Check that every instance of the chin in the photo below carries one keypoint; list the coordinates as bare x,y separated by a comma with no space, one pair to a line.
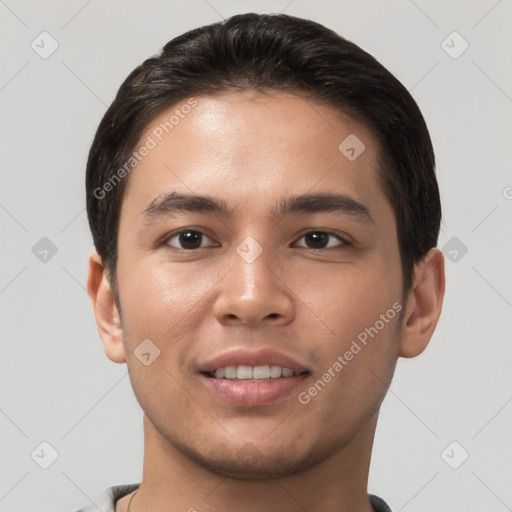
250,463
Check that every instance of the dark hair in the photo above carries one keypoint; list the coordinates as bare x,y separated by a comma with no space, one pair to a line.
271,52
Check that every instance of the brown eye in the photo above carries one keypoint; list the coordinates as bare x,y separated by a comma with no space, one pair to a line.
322,240
187,239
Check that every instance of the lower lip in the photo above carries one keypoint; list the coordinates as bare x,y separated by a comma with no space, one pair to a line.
251,394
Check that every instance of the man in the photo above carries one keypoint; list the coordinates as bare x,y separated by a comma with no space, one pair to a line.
264,206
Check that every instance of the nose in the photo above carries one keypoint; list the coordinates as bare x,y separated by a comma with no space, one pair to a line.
255,293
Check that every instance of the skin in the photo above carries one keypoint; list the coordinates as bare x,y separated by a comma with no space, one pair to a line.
250,150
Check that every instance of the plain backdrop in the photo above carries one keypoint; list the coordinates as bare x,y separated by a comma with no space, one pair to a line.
58,387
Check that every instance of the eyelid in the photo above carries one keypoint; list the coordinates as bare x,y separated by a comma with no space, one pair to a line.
169,236
343,237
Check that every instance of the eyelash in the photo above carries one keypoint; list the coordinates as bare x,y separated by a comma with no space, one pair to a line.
344,241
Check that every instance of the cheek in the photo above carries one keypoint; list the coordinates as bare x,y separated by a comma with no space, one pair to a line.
346,299
355,334
357,360
156,295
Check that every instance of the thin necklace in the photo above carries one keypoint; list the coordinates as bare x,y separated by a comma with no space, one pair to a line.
130,502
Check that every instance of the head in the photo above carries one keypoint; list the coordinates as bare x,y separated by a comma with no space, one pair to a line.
268,118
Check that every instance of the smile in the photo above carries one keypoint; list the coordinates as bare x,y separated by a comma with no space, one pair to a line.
252,373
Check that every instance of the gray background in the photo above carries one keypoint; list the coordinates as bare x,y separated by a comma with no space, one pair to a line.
56,383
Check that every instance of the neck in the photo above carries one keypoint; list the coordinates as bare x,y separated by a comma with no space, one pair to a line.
173,482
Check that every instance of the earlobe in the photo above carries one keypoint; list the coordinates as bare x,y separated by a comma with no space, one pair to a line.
105,310
423,304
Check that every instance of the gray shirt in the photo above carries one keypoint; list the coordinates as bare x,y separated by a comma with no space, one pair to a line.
107,501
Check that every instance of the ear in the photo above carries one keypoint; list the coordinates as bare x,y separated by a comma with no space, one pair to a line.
423,304
105,310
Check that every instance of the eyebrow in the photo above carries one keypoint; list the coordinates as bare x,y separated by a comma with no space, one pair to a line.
308,203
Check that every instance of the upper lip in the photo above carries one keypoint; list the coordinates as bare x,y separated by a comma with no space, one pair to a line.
244,357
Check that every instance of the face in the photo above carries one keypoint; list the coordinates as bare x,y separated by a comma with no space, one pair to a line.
285,274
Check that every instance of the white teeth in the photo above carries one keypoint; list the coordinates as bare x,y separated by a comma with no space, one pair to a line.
261,372
287,372
275,372
229,372
243,372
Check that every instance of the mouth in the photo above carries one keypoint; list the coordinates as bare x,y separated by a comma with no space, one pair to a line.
251,379
253,373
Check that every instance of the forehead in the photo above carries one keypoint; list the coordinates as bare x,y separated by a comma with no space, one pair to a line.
251,146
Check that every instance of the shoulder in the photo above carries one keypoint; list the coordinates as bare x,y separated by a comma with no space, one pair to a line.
106,502
378,504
